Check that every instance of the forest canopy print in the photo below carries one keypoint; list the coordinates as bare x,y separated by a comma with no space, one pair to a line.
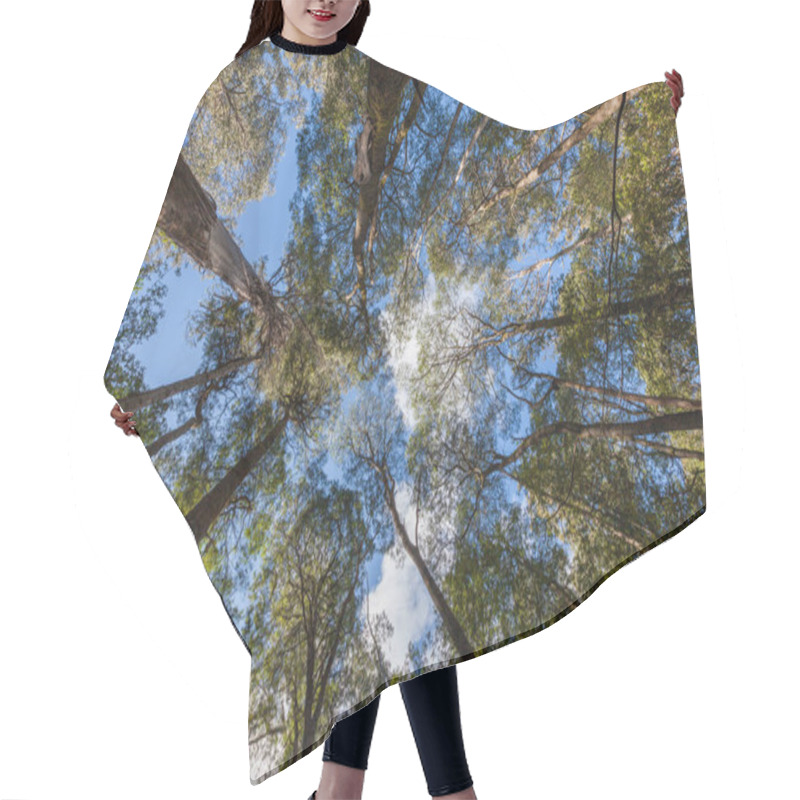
418,380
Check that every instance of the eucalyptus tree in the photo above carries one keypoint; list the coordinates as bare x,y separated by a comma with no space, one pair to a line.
304,622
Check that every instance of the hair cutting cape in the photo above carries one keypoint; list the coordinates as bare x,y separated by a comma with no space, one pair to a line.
419,381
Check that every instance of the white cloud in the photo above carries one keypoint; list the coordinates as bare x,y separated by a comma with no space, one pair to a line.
404,353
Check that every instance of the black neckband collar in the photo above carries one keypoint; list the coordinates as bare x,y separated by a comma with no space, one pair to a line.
308,49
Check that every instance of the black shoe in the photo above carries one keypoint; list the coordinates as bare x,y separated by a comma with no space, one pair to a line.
313,795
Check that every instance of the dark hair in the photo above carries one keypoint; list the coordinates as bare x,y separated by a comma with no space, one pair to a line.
266,18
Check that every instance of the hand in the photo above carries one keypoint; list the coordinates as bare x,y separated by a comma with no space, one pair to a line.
675,82
124,420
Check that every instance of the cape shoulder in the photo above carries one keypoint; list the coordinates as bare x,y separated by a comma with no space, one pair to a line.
266,61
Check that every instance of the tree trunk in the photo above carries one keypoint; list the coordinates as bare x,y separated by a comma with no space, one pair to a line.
211,505
650,302
171,436
653,401
586,237
682,421
189,217
138,400
596,117
453,627
384,91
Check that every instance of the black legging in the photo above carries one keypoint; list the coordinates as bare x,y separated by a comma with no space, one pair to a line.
431,701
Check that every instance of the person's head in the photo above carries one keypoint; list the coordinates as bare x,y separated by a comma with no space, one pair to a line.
295,20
